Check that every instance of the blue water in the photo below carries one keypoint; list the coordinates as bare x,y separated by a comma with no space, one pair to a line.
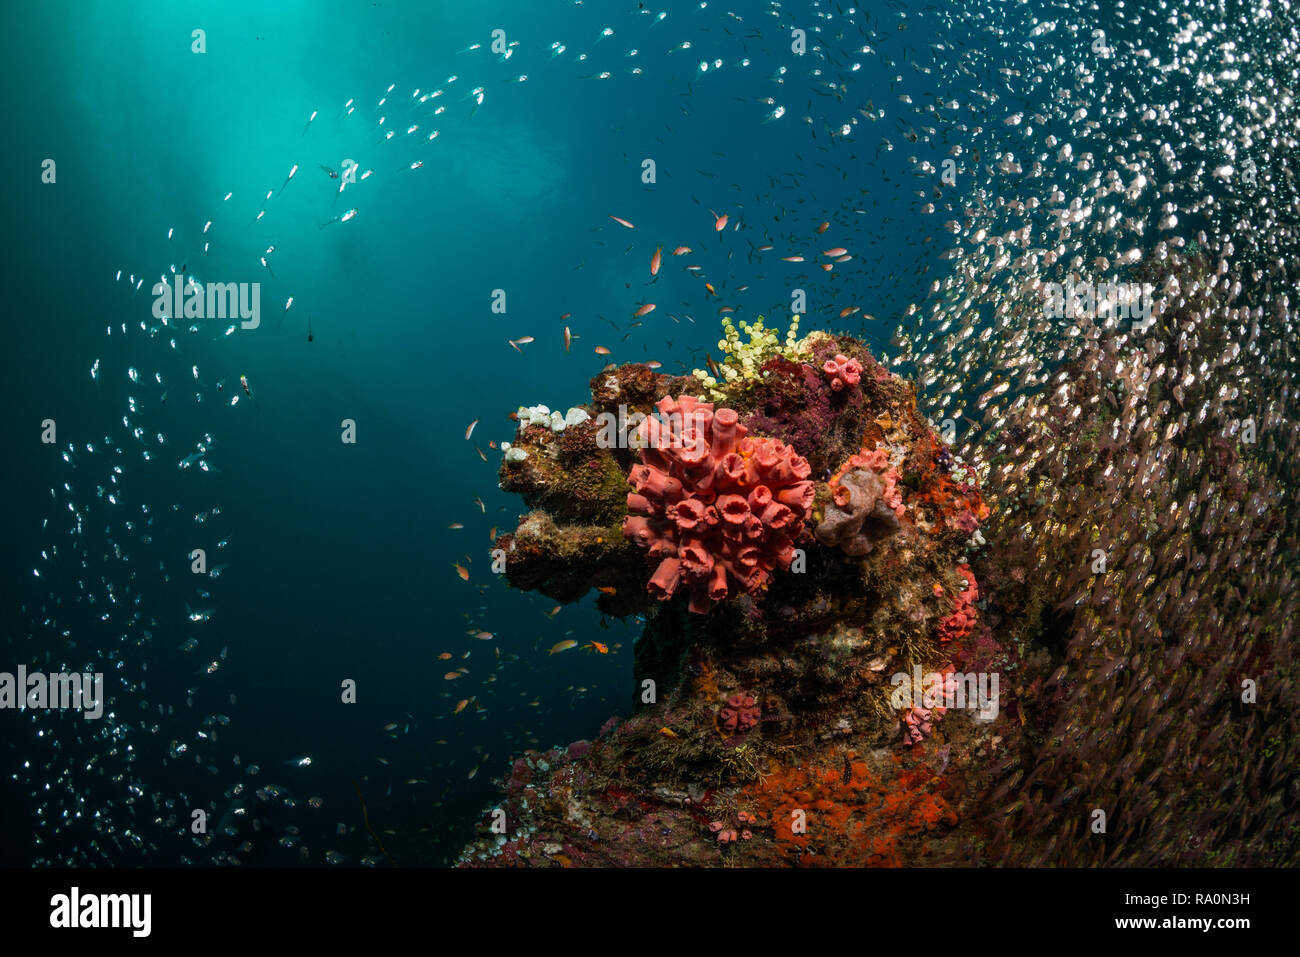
340,556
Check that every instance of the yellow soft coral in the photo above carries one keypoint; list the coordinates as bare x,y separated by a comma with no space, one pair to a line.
742,362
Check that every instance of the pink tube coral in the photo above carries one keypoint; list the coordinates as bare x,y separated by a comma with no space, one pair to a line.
918,721
962,620
714,504
740,714
842,371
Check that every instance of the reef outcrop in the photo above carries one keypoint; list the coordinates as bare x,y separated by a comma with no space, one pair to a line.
798,547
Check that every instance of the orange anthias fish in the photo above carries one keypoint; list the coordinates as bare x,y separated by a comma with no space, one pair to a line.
622,222
645,310
823,227
655,260
461,570
837,251
721,223
681,250
597,647
601,351
607,590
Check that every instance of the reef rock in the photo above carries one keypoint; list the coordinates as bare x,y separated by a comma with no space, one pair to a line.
802,545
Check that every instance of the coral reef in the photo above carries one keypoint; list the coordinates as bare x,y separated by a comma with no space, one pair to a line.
962,620
805,545
842,372
740,714
713,504
745,363
860,514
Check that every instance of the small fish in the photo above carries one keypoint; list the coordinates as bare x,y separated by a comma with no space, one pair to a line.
720,223
291,173
596,647
668,732
445,656
568,338
243,380
309,121
470,429
681,250
837,251
460,706
655,261
451,676
461,570
455,525
823,227
622,222
601,351
607,590
564,645
645,310
792,259
337,219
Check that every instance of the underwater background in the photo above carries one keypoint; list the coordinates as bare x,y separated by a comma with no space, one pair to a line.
330,560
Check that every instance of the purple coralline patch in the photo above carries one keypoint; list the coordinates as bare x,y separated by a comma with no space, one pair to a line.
578,750
965,522
797,405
